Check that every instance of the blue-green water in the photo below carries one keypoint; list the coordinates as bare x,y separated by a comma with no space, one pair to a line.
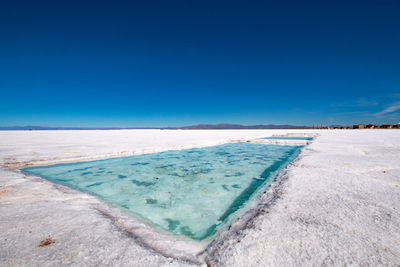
287,138
187,192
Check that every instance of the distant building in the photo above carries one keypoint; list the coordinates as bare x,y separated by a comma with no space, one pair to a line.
372,126
358,126
386,126
397,126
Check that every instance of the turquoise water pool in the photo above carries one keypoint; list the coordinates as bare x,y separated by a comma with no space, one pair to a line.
187,192
287,138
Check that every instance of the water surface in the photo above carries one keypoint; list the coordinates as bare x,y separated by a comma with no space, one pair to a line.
187,192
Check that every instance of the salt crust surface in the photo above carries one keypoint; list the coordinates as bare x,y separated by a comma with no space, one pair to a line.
338,204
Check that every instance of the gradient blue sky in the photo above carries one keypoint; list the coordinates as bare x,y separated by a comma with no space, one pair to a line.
173,63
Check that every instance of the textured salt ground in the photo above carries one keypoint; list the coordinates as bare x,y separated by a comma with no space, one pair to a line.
338,204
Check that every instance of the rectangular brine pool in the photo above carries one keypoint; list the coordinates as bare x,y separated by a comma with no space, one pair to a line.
188,192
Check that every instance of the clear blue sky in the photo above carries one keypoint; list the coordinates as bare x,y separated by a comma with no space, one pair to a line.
173,63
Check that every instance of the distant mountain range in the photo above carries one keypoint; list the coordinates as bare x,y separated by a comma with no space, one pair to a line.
220,126
53,128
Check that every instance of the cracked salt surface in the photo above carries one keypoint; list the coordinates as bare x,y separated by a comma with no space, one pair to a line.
337,204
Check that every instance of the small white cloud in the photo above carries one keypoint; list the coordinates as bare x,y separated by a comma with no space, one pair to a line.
392,108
